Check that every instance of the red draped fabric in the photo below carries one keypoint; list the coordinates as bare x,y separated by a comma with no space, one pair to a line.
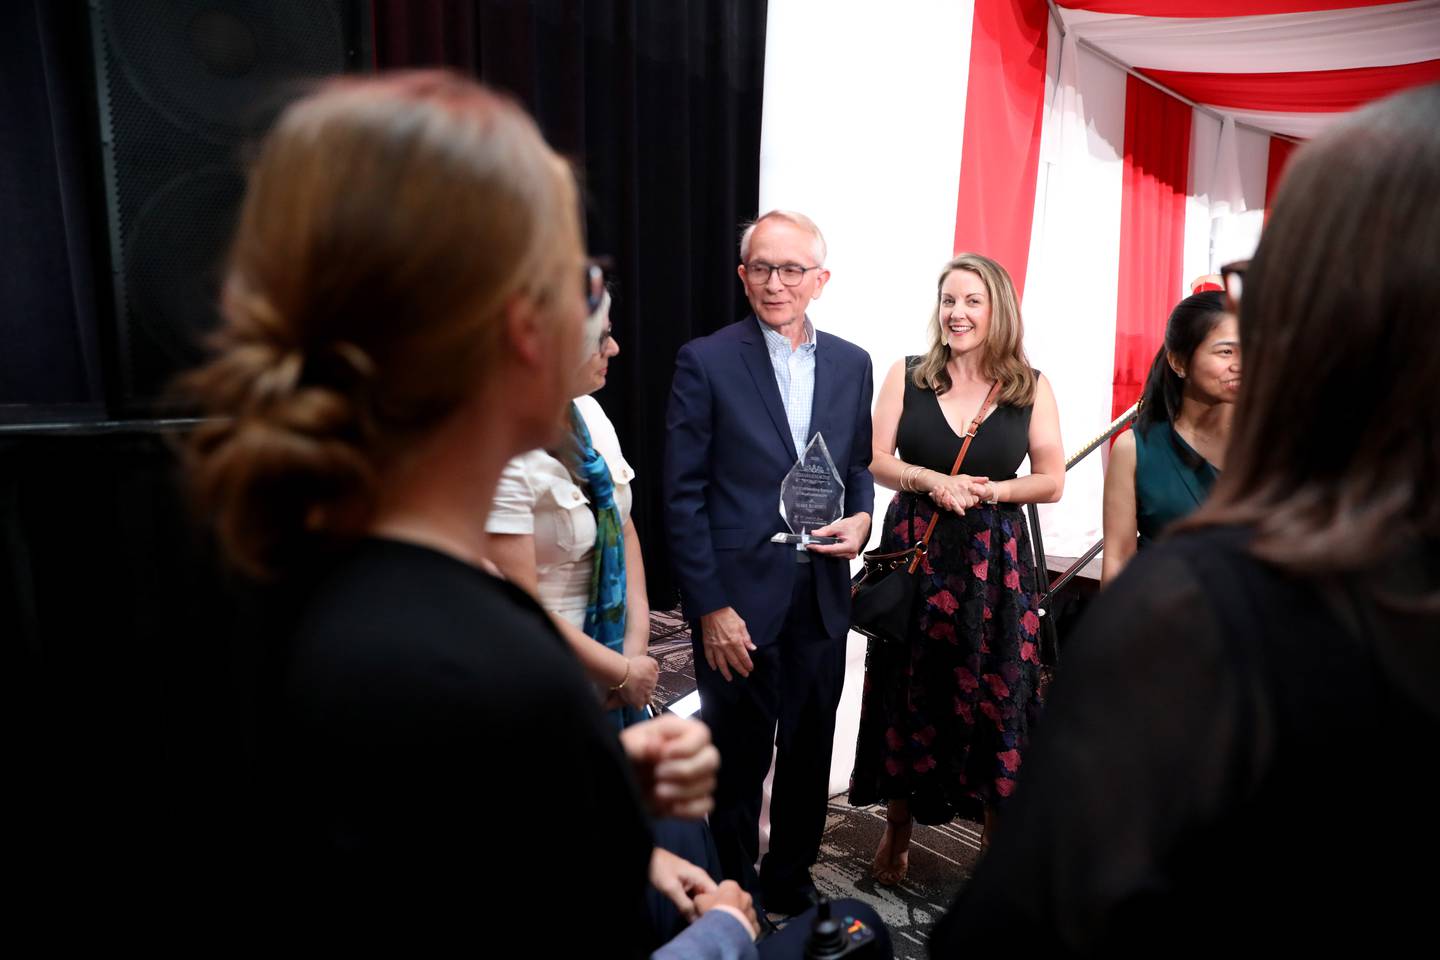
1152,231
1311,91
1000,156
1214,8
1280,150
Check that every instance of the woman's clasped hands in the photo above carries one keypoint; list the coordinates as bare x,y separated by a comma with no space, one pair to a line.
959,492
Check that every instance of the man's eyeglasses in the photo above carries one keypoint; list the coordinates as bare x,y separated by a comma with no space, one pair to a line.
1233,276
757,273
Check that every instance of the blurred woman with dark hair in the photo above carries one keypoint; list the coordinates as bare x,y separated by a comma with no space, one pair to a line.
1237,755
1164,468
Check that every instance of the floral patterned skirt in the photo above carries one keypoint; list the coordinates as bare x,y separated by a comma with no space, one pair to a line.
945,718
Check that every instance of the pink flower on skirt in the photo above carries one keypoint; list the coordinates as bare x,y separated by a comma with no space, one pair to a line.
963,711
1011,547
997,685
926,736
983,538
1011,760
942,630
986,613
893,766
1029,622
1004,786
966,680
1027,652
893,740
945,600
981,569
1012,579
924,765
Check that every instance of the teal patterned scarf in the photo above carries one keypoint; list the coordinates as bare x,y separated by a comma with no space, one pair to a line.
605,608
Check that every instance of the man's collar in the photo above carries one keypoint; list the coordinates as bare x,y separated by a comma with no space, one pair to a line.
776,338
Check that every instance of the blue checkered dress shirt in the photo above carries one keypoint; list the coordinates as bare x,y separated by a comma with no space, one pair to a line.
795,375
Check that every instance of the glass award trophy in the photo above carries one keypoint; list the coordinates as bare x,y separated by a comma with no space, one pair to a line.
811,496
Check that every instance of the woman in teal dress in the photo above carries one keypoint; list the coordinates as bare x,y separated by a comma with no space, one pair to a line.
1163,469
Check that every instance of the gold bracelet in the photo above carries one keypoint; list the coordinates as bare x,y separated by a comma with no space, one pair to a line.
621,685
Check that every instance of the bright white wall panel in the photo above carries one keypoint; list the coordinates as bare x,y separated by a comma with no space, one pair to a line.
863,126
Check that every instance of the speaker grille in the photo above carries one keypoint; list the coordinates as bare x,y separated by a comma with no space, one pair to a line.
183,88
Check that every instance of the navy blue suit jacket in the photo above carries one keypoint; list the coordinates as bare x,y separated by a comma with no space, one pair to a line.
729,446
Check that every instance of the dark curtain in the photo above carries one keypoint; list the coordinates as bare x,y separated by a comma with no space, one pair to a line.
124,668
131,667
49,350
657,103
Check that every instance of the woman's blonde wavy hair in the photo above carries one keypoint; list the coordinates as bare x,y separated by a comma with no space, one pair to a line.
388,221
1004,357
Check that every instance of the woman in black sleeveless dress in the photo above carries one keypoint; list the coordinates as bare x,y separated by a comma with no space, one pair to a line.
945,717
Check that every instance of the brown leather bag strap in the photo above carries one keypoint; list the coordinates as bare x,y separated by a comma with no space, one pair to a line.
924,543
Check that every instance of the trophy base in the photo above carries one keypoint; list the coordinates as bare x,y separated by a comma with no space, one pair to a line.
801,539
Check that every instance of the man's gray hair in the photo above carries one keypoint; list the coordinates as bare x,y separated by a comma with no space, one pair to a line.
789,216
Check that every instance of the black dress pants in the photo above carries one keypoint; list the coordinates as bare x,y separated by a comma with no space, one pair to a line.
788,702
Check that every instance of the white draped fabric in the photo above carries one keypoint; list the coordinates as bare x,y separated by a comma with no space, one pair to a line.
1300,126
1070,296
1377,36
1386,35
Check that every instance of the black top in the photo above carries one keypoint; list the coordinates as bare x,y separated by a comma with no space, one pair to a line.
1234,760
925,437
450,766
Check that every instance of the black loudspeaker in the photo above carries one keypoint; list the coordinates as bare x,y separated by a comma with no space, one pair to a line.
184,87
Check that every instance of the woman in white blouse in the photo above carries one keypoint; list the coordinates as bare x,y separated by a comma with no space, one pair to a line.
550,508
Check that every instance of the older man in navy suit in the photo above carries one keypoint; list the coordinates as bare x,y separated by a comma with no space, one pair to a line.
769,621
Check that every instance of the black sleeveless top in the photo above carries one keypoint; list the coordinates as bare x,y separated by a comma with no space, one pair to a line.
926,438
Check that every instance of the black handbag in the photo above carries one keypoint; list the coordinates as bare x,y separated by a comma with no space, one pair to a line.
882,596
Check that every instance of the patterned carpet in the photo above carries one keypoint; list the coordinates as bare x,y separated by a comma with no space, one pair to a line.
941,858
